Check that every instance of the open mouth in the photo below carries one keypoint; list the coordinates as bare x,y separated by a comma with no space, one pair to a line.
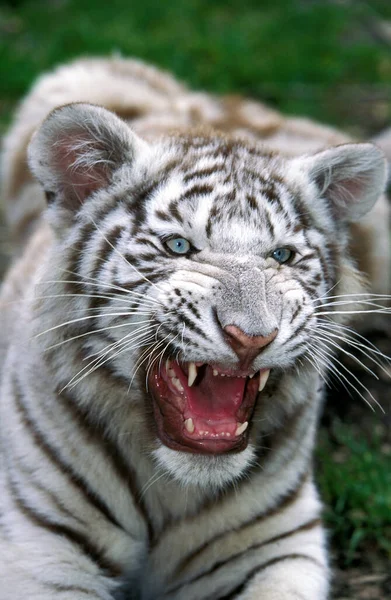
204,408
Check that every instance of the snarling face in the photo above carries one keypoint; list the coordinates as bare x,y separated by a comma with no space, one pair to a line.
204,261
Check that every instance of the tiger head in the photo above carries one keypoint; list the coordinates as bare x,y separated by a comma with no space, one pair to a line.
206,261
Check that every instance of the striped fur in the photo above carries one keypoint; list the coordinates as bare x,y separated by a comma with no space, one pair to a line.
101,499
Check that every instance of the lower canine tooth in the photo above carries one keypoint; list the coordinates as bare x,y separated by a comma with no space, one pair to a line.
189,425
177,384
241,428
192,374
263,379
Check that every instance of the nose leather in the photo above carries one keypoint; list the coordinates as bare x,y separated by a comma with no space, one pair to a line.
247,347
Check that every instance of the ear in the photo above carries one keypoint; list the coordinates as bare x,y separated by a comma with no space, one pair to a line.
351,177
77,150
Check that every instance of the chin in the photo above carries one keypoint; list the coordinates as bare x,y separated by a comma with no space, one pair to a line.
212,472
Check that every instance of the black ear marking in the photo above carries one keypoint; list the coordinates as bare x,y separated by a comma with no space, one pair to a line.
50,197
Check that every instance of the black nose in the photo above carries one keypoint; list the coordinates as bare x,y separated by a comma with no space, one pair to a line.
247,347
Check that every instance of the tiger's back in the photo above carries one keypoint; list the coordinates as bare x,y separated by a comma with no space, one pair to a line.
170,319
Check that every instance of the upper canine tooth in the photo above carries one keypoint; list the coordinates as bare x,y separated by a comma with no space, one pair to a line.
215,372
263,379
241,428
192,374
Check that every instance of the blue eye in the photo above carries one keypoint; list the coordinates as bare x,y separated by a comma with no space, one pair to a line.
282,255
178,245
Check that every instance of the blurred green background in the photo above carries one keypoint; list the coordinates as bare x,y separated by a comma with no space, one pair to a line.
329,60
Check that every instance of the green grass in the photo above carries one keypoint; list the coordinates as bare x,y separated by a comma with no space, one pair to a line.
354,476
320,58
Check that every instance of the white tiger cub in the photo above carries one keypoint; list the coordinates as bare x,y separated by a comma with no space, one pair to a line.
166,331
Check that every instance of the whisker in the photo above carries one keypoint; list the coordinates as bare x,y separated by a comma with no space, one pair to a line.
129,337
369,296
333,358
81,335
155,348
379,311
358,302
100,361
339,326
359,346
322,337
335,373
151,481
85,318
102,284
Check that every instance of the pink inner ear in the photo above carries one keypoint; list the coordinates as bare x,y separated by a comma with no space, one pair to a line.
81,167
348,192
355,187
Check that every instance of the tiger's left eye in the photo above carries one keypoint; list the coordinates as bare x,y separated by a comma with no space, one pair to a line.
282,255
178,245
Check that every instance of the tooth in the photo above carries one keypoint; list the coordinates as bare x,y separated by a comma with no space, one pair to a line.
241,428
192,374
189,425
177,384
263,379
251,376
215,372
171,372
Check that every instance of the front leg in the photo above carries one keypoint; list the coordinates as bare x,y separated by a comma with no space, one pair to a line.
277,554
291,576
44,555
40,572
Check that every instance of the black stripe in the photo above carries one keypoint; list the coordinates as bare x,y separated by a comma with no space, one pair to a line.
53,498
57,587
163,216
192,326
296,312
240,588
252,202
174,212
54,456
108,243
143,240
224,563
85,233
95,431
202,173
298,329
196,191
269,223
136,200
77,538
283,502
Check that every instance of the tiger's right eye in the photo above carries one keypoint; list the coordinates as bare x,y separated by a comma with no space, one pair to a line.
178,245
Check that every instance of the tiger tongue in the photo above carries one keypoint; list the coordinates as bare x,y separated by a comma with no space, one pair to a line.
216,397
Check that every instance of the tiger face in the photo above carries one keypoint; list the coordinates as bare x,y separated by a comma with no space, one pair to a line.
204,262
